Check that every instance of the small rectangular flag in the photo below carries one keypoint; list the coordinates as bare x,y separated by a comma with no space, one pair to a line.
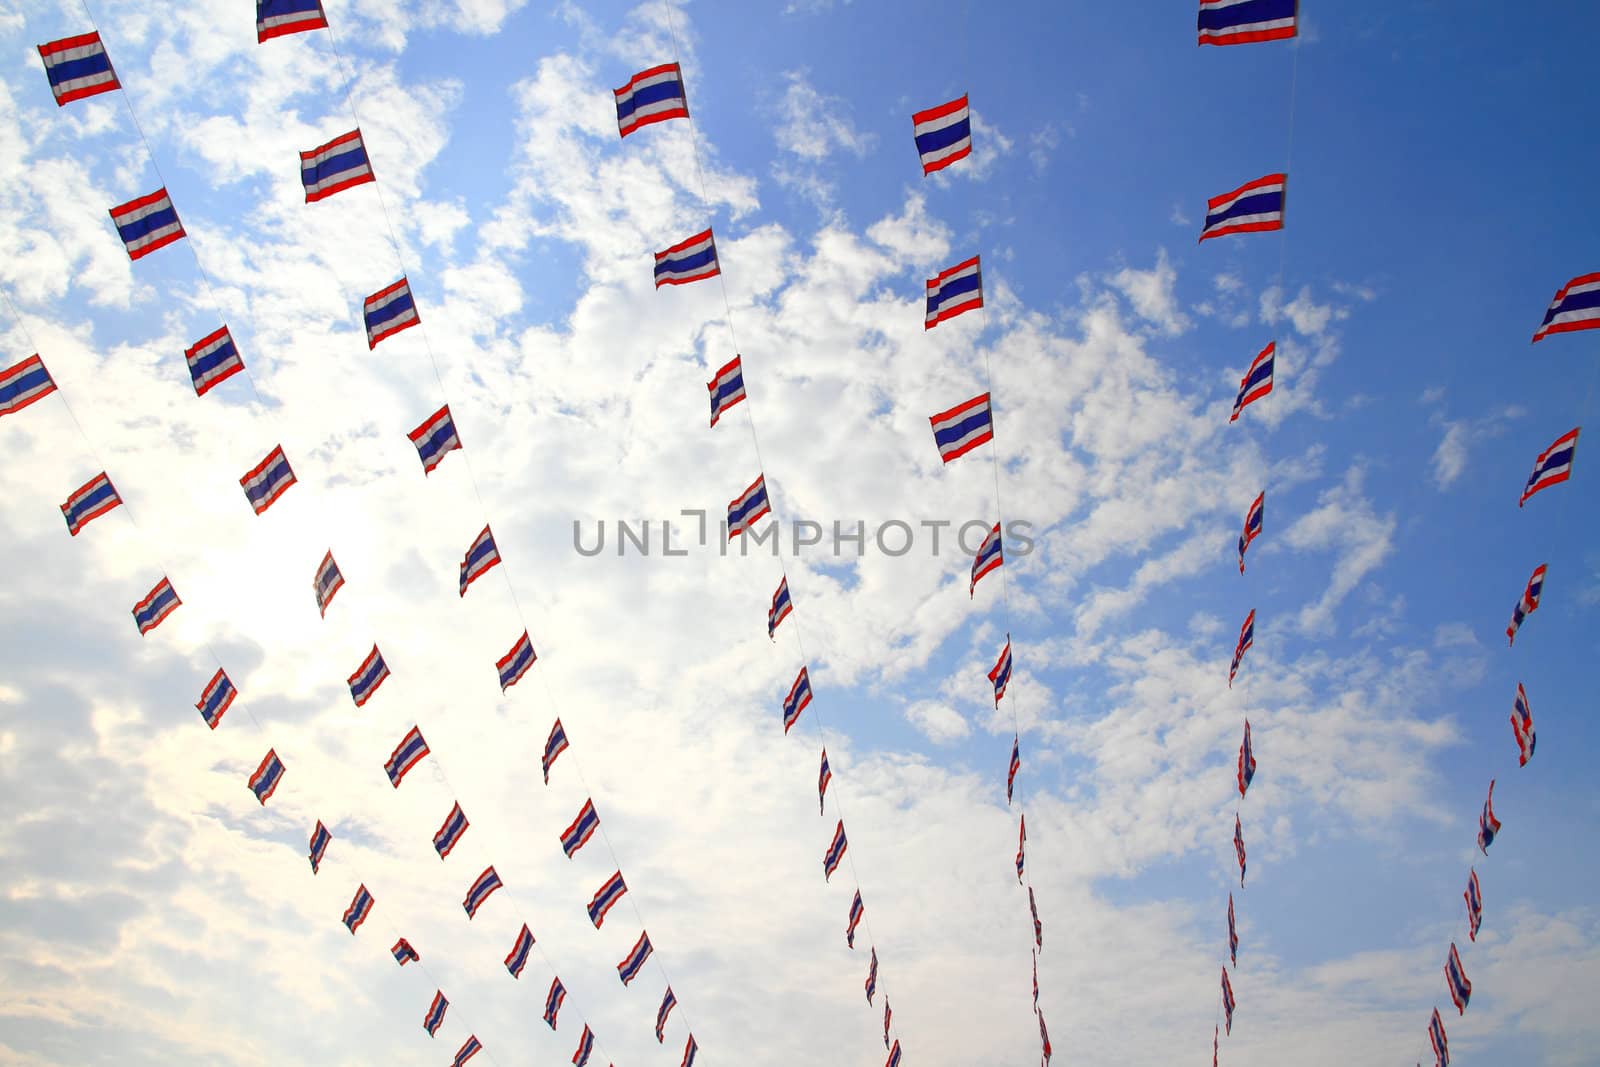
319,845
406,755
746,509
450,831
435,1014
1247,761
857,910
1440,1043
216,698
1474,898
24,383
264,782
469,1048
1044,1038
989,558
78,67
404,953
277,18
1038,927
605,898
631,964
1233,935
781,607
327,582
799,696
667,1003
212,360
963,427
1553,466
1247,21
147,223
1247,637
689,1050
1527,605
388,311
690,260
835,853
1575,307
1254,207
554,745
1227,1003
360,907
340,164
726,389
264,483
480,891
161,602
582,828
1015,766
89,501
1252,525
1488,825
651,96
1022,844
1522,727
435,437
552,1001
1257,381
824,776
1238,846
1000,673
871,984
585,1047
368,677
517,958
887,1016
1456,978
952,291
481,557
514,664
943,133
894,1056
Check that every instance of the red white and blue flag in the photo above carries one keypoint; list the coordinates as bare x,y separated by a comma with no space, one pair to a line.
943,133
668,1001
360,907
212,360
448,836
651,96
799,696
216,698
888,1016
480,891
894,1056
690,1047
1553,466
1038,927
264,483
482,555
1044,1038
514,664
824,776
368,677
404,953
318,846
1252,525
1528,604
147,223
963,427
469,1048
781,607
1247,761
78,67
1456,978
1247,637
989,558
1227,1003
835,853
24,383
583,827
1247,21
1257,381
1238,846
857,910
1022,844
628,969
161,602
1015,765
952,291
1254,207
605,898
1474,898
330,168
554,745
726,389
748,507
1233,935
407,754
1575,307
872,975
690,260
585,1047
1488,825
269,772
388,311
327,582
277,18
435,437
552,1001
1000,673
1440,1043
517,958
435,1014
1522,727
89,501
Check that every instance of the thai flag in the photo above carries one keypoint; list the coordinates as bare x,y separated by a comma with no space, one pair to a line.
1247,761
552,1002
212,360
1044,1039
1000,674
1246,21
1035,954
149,612
1247,637
631,964
944,134
216,698
887,1016
434,437
1553,466
449,833
1022,844
781,607
517,958
963,428
368,677
824,776
689,260
435,1016
1252,526
340,164
1233,935
1474,898
1227,1003
1257,381
799,696
1238,846
1440,1043
583,827
857,910
689,1049
651,96
147,223
1038,927
835,853
585,1047
1456,978
726,389
319,845
989,558
406,755
388,311
482,555
360,907
894,1056
327,582
23,384
1488,825
264,782
950,292
748,508
1522,726
1016,764
554,745
469,1048
89,501
667,1003
264,483
276,18
1575,307
514,664
486,884
871,984
78,67
605,898
404,953
1528,604
1254,207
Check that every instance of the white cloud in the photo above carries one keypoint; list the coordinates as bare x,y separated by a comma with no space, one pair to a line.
938,722
1151,294
1345,522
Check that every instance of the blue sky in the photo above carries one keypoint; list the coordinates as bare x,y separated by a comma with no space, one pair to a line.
1437,199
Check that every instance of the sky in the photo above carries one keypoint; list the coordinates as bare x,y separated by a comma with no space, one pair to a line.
151,911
